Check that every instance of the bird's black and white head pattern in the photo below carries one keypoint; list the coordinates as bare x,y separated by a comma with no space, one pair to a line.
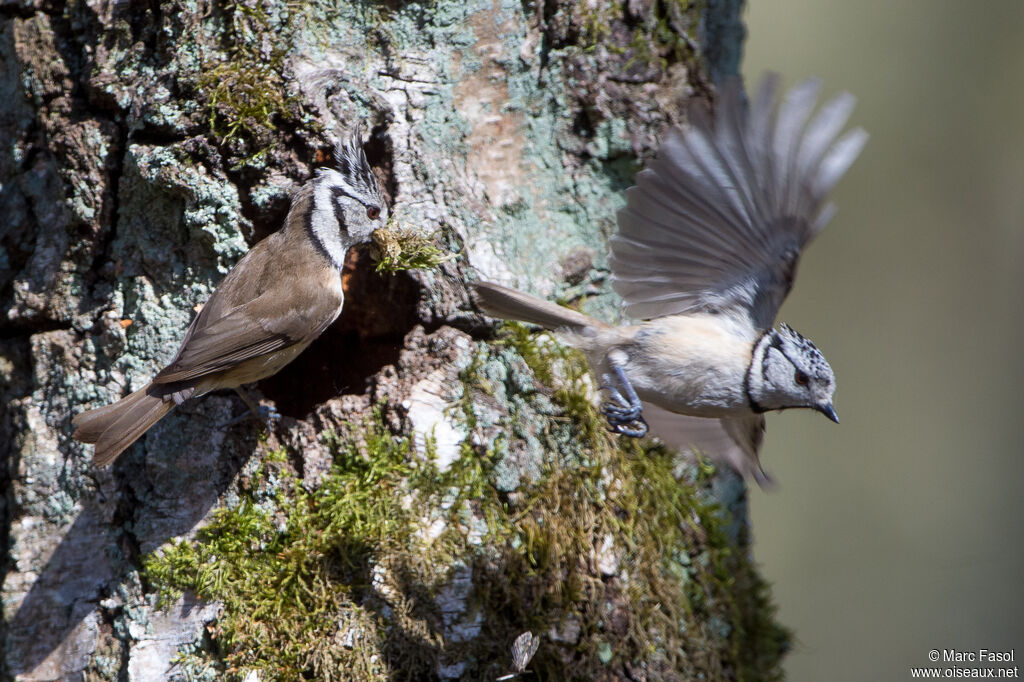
787,370
348,203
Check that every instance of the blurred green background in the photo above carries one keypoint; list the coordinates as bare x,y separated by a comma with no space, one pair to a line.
900,531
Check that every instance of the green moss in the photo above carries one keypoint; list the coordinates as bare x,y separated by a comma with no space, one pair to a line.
292,573
596,19
242,96
660,33
246,92
397,248
676,597
614,553
668,33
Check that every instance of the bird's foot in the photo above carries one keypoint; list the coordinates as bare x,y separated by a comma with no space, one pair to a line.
634,428
266,414
624,413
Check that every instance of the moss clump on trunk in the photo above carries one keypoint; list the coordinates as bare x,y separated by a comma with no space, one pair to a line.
615,554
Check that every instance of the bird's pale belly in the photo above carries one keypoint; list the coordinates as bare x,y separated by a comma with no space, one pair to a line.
697,399
691,365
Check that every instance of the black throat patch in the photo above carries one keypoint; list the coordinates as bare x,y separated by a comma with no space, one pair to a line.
754,405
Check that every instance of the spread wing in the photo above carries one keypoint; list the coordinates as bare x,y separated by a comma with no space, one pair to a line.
731,441
718,220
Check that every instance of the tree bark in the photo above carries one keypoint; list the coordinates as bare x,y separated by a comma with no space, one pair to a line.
437,485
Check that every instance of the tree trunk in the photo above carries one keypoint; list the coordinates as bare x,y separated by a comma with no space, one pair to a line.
437,485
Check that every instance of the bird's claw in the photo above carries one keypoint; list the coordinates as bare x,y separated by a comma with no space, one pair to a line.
624,419
634,429
267,414
624,416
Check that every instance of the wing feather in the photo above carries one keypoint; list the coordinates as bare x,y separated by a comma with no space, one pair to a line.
838,160
719,219
248,331
222,344
822,131
794,111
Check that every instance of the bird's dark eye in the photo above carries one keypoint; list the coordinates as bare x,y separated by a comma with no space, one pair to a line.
372,212
801,378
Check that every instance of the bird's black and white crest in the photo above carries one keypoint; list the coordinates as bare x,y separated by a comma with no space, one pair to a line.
347,202
356,171
717,222
816,363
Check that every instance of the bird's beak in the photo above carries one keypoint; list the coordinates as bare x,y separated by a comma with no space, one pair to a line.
828,411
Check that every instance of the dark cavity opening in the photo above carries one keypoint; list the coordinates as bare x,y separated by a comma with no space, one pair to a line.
379,152
379,311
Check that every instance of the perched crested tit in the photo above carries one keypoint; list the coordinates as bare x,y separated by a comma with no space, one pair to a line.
276,300
706,251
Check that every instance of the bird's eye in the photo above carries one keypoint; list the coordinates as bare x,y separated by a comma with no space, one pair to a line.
801,378
372,212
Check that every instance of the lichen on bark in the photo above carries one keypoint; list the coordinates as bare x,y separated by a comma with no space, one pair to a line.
145,147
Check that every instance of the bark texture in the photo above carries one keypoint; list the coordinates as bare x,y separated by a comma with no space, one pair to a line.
436,486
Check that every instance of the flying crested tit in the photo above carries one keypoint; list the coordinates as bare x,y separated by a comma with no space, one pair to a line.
705,254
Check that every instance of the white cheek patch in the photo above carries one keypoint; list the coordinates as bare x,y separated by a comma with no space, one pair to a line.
324,224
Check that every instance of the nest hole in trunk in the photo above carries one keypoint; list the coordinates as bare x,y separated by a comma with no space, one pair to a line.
379,311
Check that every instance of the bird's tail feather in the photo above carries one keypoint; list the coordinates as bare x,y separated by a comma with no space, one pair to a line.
510,304
114,427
